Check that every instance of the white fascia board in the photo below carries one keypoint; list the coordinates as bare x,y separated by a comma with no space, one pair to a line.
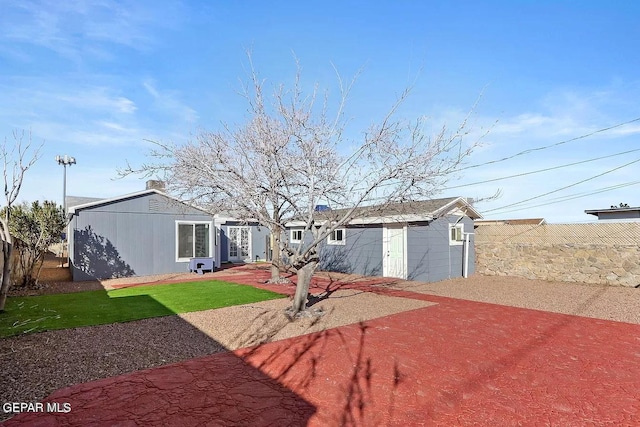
221,220
300,223
391,219
462,204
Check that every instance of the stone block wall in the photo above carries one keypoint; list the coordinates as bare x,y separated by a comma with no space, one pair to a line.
600,261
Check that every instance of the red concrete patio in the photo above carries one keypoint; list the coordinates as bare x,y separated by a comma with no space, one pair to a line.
455,363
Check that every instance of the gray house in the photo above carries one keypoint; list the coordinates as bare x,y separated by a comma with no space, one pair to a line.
137,234
426,241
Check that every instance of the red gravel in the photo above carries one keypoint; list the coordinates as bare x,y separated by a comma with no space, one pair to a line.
456,363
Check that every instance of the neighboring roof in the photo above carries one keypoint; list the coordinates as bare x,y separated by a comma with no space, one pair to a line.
72,201
596,212
100,202
403,212
520,221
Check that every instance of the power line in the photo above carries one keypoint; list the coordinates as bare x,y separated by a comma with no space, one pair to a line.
527,152
541,170
563,188
558,200
531,150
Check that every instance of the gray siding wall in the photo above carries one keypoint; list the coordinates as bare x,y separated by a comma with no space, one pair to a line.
224,243
361,253
259,242
136,236
430,258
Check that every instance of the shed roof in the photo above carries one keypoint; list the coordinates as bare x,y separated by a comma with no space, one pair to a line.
429,207
425,210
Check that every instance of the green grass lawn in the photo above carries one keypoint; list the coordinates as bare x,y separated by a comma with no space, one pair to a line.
62,311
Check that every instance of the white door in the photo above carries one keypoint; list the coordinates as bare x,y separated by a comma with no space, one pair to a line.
239,244
393,252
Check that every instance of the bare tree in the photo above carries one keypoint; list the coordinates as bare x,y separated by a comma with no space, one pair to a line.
293,154
17,160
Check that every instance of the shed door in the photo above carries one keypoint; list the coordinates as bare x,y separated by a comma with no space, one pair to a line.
239,244
393,252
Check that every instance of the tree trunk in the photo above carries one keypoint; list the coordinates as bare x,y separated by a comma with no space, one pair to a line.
276,257
6,273
302,288
37,276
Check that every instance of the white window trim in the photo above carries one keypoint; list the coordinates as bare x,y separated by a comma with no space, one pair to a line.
337,242
292,240
211,237
456,242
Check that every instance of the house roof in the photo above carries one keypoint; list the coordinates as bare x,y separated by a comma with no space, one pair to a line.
432,207
92,202
72,201
596,212
519,221
402,212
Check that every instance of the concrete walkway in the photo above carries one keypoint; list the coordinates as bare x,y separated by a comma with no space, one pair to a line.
455,363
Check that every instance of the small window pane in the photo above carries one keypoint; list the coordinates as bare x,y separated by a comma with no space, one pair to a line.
233,242
185,240
456,233
244,242
336,237
202,240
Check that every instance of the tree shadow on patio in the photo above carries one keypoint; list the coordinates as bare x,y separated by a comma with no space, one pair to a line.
347,381
215,386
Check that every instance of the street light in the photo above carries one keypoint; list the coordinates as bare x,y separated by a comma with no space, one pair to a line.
65,161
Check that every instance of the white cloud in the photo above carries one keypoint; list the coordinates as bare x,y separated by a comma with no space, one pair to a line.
75,29
554,123
169,103
99,98
627,130
89,117
149,86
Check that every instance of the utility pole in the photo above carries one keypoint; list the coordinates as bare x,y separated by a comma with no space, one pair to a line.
65,161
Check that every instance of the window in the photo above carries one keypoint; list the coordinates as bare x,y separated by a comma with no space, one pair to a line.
456,234
336,237
296,236
193,239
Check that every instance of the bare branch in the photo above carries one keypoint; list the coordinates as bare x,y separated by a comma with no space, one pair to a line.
290,155
16,160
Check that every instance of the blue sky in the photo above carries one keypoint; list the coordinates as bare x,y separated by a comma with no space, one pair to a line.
98,79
